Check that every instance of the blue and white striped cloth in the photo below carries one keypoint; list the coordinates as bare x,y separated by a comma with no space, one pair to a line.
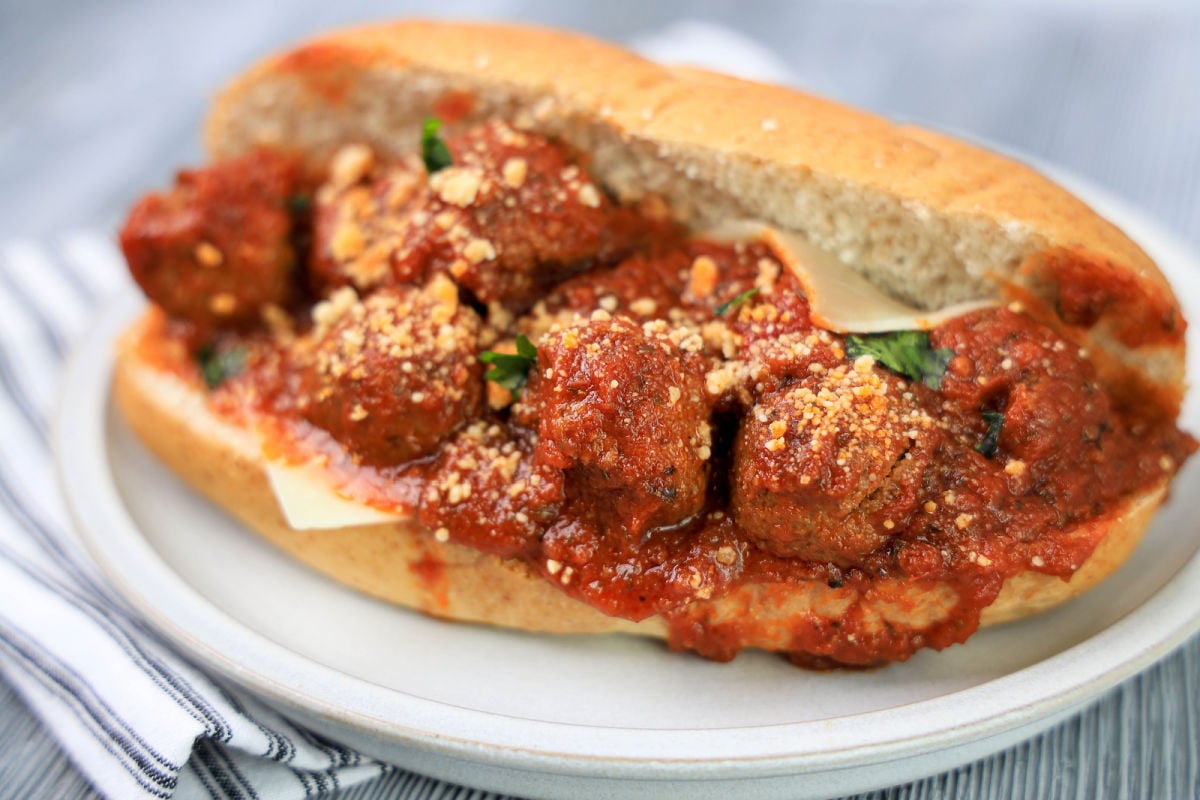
137,719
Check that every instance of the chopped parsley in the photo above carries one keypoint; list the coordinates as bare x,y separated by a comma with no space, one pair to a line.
989,444
905,352
217,365
508,369
299,203
735,302
434,151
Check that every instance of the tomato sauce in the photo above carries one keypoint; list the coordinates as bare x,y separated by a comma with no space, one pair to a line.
686,443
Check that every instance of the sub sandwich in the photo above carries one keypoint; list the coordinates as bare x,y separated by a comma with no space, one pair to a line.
514,327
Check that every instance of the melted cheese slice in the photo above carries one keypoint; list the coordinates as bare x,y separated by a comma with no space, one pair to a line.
309,501
840,299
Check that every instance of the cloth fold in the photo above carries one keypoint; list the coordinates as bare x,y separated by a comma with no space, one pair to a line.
135,716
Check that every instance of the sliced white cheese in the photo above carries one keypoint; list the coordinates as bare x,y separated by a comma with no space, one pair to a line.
309,501
840,299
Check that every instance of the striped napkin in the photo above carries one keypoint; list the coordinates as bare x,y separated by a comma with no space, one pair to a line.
135,717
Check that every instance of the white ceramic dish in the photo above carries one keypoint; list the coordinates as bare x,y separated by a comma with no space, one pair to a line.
615,716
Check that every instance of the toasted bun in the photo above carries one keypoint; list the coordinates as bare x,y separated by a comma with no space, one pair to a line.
929,219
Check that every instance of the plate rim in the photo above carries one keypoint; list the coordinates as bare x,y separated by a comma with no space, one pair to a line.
86,382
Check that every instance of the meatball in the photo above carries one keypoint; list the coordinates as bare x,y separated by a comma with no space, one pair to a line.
769,343
1007,363
216,248
641,287
393,376
512,215
487,491
780,342
717,274
622,408
519,214
371,224
826,469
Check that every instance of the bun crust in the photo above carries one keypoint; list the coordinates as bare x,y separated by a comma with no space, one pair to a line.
930,219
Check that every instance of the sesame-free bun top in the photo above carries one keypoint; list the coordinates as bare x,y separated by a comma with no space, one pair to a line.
930,219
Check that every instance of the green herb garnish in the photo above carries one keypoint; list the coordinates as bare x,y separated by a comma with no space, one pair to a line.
905,352
511,370
735,302
434,151
299,203
217,365
989,444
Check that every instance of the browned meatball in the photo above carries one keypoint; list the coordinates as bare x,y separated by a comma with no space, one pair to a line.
622,407
216,248
640,287
769,342
393,376
1007,363
519,213
826,469
718,273
779,341
694,277
512,215
371,224
487,491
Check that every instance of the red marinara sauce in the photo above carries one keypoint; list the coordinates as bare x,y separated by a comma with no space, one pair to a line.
685,443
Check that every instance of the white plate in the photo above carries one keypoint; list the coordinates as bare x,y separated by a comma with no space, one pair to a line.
605,716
